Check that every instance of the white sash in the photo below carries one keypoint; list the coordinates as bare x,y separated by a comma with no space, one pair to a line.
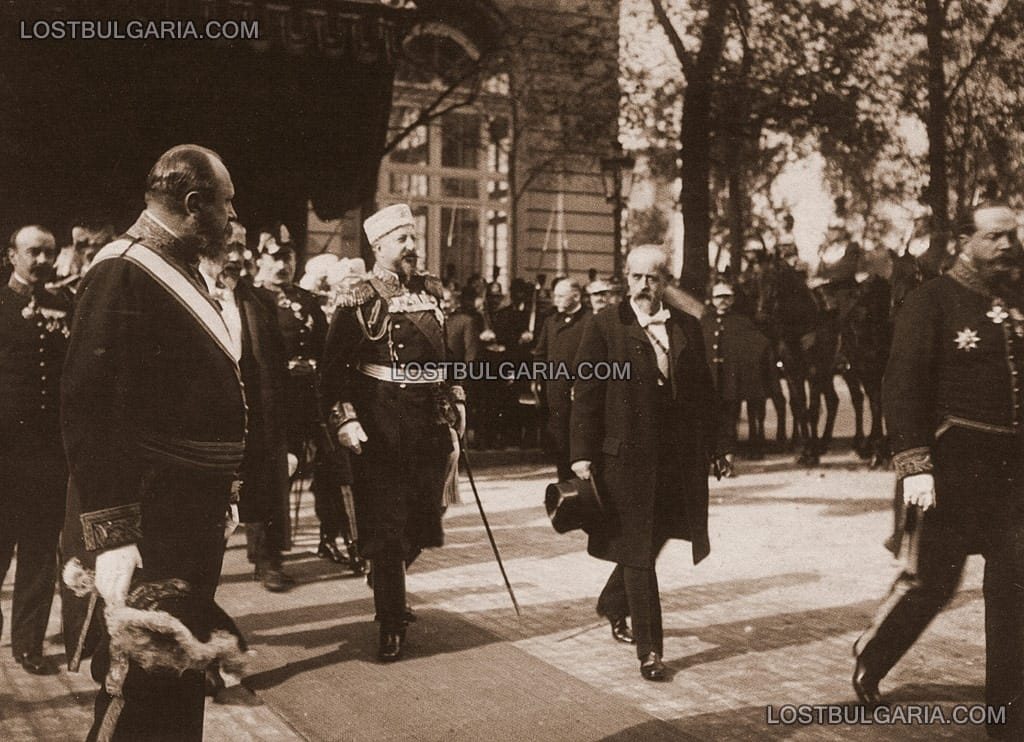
177,286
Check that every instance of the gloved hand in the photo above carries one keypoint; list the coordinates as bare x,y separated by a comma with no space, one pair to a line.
351,435
114,570
919,489
581,468
293,464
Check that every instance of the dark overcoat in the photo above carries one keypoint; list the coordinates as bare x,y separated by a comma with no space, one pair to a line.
738,355
558,343
265,488
621,424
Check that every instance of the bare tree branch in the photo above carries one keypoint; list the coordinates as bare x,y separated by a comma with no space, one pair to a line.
979,52
673,37
434,110
534,172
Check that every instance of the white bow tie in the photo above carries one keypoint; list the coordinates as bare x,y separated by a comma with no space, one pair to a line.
658,318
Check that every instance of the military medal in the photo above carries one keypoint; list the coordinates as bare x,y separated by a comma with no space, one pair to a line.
997,313
967,339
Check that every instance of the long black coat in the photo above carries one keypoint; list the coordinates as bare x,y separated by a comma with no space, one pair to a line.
264,367
621,424
558,343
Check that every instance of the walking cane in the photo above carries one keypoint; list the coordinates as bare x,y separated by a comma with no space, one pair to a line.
487,527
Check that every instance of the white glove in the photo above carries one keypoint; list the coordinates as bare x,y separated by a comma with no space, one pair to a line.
488,336
114,570
351,435
293,464
581,469
526,338
460,407
919,489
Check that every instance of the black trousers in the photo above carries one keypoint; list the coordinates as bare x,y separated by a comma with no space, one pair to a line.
33,487
182,536
980,507
633,592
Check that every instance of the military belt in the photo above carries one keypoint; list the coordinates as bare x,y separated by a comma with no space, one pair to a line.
395,375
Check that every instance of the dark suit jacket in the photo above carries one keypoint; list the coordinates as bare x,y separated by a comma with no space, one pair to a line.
621,425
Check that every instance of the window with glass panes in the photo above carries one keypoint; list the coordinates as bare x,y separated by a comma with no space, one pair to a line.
453,172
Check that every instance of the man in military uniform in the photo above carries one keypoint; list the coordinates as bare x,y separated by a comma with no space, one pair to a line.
33,476
392,413
739,357
304,327
153,413
952,403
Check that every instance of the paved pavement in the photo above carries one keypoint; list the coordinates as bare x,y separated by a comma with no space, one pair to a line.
796,571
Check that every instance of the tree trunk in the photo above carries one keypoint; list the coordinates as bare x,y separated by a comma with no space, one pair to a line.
938,182
695,146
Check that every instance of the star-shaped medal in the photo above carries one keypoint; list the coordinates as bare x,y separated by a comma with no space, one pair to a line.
967,339
997,314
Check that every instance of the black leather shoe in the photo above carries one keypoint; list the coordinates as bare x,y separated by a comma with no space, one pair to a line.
652,668
35,664
275,580
865,686
329,550
391,643
621,631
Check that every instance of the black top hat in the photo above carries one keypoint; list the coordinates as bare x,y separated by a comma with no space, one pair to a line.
573,504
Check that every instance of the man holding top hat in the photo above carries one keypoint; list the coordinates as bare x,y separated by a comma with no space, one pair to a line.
393,420
647,441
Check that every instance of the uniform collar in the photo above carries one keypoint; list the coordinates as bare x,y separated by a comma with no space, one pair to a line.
19,285
150,230
967,276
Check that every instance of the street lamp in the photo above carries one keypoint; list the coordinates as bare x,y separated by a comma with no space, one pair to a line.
617,175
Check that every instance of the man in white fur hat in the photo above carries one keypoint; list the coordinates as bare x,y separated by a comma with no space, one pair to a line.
393,420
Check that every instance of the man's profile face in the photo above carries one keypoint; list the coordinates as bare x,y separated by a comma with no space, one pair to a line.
645,277
215,212
396,251
565,297
32,256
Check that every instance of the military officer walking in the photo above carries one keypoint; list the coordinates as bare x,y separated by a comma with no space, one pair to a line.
304,327
393,420
33,476
952,402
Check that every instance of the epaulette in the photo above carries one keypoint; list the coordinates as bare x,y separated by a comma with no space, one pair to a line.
354,294
433,286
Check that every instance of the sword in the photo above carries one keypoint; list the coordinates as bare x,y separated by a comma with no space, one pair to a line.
487,527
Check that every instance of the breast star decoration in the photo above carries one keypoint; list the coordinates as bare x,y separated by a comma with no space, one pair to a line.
967,339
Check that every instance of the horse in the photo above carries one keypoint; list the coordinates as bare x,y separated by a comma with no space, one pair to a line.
866,336
749,301
805,336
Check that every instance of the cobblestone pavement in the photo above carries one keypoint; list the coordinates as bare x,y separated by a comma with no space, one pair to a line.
796,571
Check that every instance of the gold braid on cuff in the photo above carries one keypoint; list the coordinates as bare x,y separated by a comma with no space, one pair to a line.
912,461
112,527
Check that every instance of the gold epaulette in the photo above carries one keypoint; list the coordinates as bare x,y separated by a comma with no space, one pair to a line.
354,294
433,286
